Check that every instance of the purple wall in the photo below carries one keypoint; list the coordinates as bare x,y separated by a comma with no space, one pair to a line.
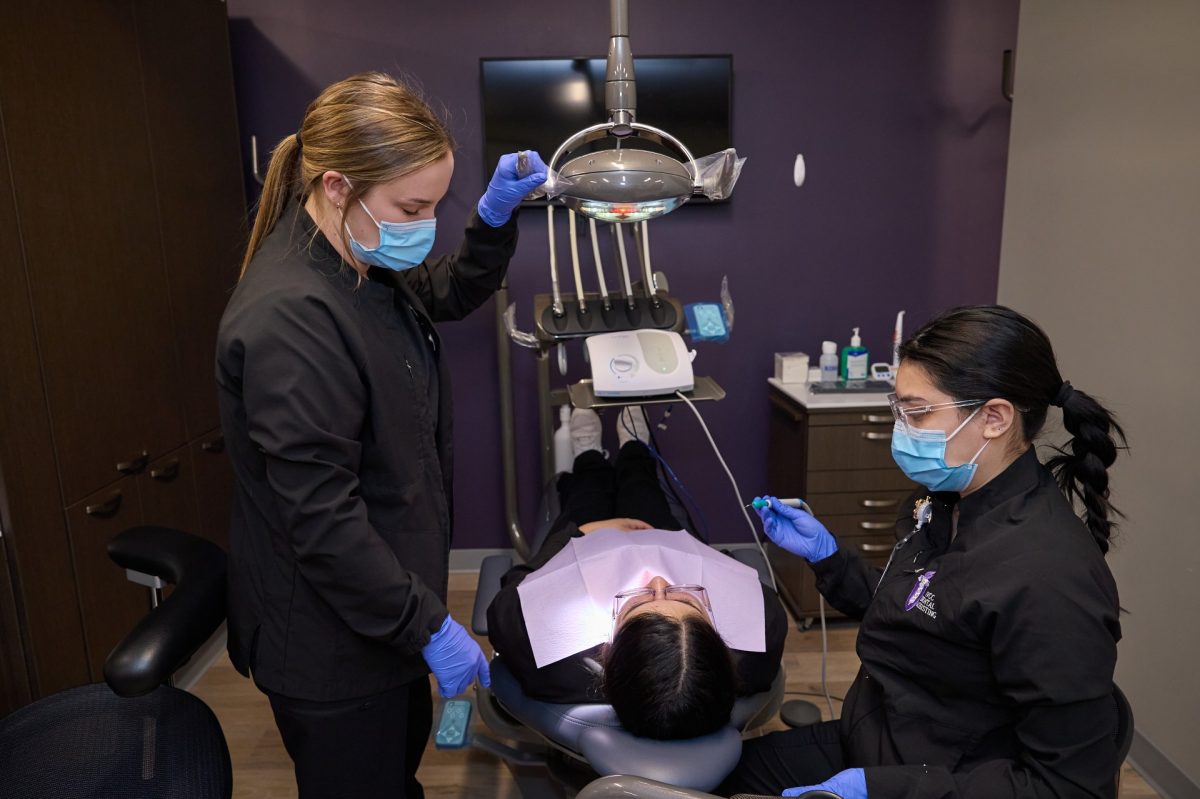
896,107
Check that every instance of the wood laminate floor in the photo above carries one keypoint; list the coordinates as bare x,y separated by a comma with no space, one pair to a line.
262,769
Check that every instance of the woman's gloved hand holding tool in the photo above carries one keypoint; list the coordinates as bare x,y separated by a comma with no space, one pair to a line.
509,186
795,530
455,659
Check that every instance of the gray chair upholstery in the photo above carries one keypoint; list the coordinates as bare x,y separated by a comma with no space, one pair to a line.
593,733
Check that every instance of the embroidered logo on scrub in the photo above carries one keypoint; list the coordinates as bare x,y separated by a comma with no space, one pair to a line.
920,598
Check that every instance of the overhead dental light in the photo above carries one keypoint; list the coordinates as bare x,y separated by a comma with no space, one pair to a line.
623,184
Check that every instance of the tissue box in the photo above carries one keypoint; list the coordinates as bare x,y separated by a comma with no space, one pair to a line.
791,367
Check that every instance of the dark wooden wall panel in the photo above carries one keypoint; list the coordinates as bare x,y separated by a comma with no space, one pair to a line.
30,502
77,143
185,54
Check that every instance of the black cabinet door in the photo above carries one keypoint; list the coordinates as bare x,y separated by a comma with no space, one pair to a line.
168,492
111,604
84,182
192,121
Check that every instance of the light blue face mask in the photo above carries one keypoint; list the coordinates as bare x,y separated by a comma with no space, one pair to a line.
921,455
402,245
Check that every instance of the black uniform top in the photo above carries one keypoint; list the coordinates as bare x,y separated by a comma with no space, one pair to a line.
575,679
988,651
336,411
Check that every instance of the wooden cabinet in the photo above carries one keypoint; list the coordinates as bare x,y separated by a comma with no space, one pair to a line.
840,461
122,222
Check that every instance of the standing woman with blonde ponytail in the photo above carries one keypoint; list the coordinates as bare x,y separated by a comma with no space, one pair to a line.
988,641
335,404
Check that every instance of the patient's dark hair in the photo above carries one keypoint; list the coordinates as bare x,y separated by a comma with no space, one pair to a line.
669,678
991,352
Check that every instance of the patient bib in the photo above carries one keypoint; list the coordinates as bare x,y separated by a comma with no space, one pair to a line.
567,604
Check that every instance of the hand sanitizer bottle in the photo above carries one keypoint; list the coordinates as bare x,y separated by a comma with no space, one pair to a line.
829,362
855,359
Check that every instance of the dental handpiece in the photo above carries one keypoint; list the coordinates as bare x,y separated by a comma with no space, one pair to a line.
791,502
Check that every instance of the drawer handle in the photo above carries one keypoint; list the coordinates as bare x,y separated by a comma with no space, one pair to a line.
167,472
880,503
877,436
134,465
876,525
216,444
871,418
874,547
106,508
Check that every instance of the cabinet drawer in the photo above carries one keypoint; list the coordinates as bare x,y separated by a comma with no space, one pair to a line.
862,524
850,447
859,480
875,417
881,502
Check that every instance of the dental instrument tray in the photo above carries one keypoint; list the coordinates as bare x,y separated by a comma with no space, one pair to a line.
583,395
852,387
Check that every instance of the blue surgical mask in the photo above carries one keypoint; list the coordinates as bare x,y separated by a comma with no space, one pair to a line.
921,454
402,245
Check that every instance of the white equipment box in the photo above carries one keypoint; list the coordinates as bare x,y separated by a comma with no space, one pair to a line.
639,363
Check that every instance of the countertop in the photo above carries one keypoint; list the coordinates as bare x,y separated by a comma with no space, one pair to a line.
816,402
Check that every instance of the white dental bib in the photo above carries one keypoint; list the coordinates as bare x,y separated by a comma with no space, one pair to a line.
567,604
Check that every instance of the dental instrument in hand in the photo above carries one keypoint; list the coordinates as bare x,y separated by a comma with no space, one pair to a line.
791,502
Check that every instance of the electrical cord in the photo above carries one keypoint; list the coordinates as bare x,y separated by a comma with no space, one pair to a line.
763,550
737,491
673,481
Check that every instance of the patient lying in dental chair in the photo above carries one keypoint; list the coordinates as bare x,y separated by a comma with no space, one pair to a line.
670,661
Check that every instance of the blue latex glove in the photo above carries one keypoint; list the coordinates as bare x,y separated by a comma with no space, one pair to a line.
848,784
506,189
796,530
455,659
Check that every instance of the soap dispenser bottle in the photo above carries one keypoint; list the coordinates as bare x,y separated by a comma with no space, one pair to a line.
855,359
564,454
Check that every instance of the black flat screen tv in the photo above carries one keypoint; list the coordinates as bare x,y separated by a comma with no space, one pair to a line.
536,103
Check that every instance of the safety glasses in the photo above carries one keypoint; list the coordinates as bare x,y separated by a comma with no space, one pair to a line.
626,601
906,414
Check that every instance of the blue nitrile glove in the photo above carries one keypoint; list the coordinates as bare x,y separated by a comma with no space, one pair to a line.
506,189
796,530
848,784
455,659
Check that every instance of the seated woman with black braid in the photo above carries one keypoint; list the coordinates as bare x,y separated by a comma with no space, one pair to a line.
666,670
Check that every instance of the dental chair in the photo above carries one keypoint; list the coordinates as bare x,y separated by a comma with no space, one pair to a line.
133,736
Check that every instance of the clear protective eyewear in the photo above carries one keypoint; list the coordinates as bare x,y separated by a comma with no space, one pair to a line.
692,595
903,415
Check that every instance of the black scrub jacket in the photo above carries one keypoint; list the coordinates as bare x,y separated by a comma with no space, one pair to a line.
988,651
573,679
335,405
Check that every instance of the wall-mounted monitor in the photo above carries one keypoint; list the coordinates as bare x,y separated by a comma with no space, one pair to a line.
536,103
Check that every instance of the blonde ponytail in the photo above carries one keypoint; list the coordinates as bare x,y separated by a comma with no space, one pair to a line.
280,180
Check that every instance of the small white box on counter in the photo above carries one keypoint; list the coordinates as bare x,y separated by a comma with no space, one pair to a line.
791,367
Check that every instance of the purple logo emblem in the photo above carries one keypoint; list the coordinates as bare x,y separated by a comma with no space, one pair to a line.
918,591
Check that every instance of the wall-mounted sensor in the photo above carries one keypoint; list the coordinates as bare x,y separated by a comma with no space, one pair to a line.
798,170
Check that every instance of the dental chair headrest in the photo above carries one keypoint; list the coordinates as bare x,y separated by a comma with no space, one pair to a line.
697,763
594,732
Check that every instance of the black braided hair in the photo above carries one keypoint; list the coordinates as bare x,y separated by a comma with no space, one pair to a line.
993,352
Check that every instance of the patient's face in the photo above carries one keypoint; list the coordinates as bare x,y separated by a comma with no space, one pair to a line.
676,608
